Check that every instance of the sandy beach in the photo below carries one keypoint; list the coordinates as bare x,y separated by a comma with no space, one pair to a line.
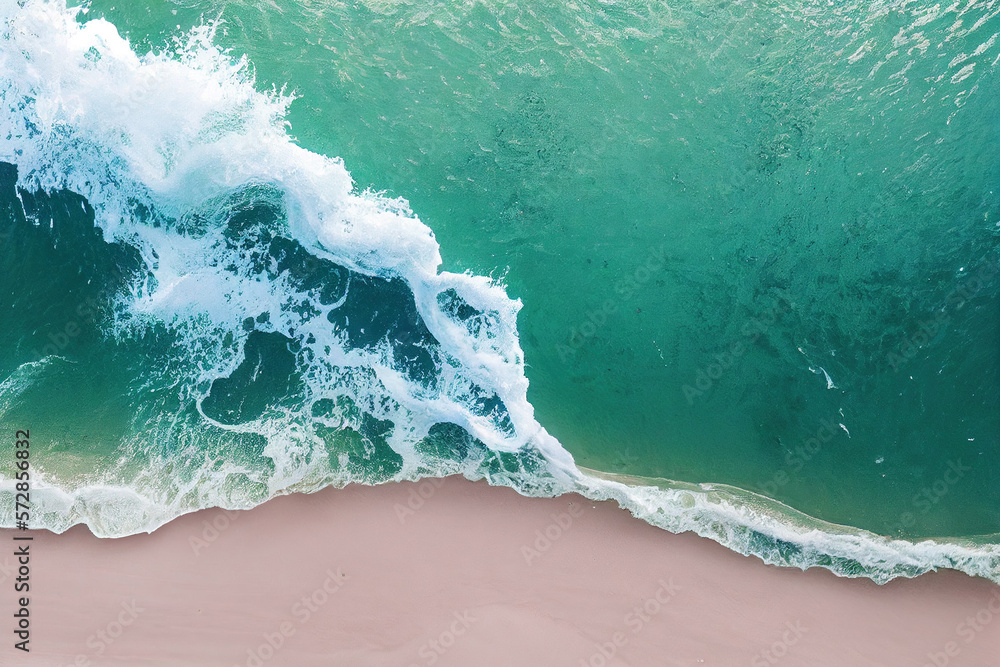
450,572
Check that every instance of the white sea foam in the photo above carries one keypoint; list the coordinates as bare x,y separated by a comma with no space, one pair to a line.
180,133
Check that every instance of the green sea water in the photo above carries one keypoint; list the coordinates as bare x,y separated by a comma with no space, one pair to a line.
825,160
755,243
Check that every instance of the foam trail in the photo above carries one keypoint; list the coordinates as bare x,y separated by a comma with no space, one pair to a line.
15,383
184,135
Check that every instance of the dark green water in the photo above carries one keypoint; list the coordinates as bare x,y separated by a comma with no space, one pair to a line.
755,244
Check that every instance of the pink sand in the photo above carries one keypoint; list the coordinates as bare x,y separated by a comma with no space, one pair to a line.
345,577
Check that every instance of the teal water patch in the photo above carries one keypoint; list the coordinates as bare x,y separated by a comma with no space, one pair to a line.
730,224
754,246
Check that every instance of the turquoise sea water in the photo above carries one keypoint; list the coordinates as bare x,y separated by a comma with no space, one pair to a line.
738,261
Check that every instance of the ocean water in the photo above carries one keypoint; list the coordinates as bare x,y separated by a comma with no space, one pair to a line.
735,265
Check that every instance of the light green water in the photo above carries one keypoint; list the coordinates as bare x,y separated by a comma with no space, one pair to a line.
755,243
834,161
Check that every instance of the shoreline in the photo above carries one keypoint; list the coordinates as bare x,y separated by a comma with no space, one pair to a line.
452,572
741,520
